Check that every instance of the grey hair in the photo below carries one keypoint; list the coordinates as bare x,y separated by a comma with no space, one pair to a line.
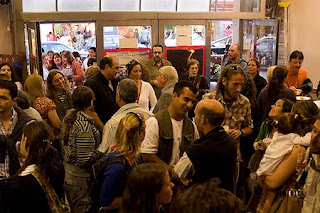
128,90
170,72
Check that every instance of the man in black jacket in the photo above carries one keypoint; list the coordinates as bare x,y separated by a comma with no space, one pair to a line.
214,154
12,122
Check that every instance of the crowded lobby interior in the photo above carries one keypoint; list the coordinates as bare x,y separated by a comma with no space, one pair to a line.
149,106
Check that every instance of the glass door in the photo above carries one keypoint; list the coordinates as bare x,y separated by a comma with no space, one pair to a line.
33,50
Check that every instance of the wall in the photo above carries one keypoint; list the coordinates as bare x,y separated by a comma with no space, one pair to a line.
5,36
304,34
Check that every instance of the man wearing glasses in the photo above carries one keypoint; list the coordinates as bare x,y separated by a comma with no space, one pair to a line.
154,64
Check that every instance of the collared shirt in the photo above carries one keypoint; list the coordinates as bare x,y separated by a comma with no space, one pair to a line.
239,114
111,126
153,68
4,167
296,79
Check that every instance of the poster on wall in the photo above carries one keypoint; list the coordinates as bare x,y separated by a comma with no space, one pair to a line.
178,56
126,55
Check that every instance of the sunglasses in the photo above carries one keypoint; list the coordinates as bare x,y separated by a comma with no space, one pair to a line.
138,116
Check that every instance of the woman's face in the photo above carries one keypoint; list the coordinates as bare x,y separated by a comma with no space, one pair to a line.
57,60
58,82
165,195
6,70
91,53
64,60
136,73
252,68
193,70
276,109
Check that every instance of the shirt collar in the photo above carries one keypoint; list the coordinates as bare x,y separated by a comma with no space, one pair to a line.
155,63
166,87
238,100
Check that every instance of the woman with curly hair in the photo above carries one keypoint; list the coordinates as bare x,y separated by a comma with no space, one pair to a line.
148,188
127,143
58,92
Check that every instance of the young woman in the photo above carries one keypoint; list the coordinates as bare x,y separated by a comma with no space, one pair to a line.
146,93
71,67
42,170
6,69
148,187
34,86
58,92
80,139
275,90
127,143
56,62
253,69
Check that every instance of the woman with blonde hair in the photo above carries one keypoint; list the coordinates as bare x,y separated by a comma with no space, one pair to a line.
35,88
58,91
70,66
127,144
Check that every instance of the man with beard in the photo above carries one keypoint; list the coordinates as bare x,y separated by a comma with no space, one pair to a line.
238,120
154,64
170,132
312,188
234,57
297,79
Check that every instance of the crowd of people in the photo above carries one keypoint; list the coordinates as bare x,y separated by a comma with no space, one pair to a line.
82,139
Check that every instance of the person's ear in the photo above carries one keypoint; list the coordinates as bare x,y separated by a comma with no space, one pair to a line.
174,95
14,102
224,81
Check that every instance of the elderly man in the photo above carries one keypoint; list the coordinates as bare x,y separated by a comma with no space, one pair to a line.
214,154
234,57
127,92
104,84
154,64
170,132
311,201
167,77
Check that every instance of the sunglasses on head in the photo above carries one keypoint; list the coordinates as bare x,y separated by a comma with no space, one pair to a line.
138,116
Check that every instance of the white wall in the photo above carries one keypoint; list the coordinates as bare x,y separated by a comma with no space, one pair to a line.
304,35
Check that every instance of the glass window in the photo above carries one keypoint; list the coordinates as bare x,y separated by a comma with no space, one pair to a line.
184,35
78,5
235,6
113,34
156,5
191,5
38,6
119,5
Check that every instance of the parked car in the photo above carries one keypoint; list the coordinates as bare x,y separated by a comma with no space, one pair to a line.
59,47
109,42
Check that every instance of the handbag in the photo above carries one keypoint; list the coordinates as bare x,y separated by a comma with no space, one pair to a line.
55,204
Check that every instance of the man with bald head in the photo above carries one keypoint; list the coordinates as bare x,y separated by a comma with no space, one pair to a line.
214,154
234,57
166,78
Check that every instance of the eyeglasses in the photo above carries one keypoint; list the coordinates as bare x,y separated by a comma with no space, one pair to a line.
138,117
157,52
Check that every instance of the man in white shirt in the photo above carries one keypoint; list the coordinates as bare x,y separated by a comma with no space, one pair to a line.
170,131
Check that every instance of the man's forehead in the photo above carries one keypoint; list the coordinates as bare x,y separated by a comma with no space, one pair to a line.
157,49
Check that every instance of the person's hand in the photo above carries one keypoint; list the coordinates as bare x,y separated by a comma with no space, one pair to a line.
170,169
174,175
239,157
186,181
235,133
261,145
296,91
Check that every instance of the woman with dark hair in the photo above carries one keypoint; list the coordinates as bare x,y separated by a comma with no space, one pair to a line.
40,178
148,188
146,94
253,70
56,62
92,54
58,92
70,66
6,69
274,91
129,135
80,139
